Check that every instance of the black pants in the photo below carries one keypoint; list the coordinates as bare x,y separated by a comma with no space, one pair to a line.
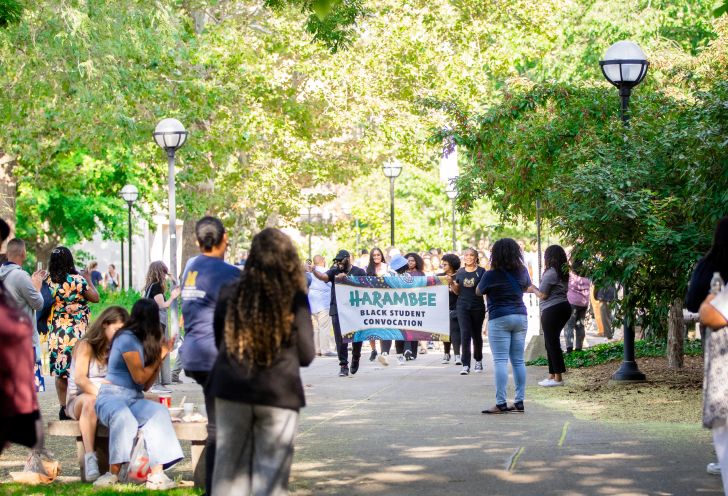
342,348
454,335
553,319
210,444
471,327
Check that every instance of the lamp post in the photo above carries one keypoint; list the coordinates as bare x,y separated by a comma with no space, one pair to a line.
129,194
538,234
392,170
625,66
170,135
452,193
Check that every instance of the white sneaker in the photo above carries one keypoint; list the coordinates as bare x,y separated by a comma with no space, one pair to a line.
400,359
550,383
91,467
713,468
106,480
465,371
478,369
458,360
446,358
383,358
160,481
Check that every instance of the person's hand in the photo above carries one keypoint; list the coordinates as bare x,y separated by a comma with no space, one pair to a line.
340,277
37,278
175,293
167,345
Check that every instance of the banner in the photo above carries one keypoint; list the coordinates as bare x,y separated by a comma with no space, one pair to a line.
393,307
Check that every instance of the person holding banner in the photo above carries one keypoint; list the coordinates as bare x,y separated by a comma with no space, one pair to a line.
397,266
342,268
378,267
450,265
470,309
415,268
504,285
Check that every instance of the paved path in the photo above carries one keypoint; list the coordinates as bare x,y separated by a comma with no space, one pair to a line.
417,430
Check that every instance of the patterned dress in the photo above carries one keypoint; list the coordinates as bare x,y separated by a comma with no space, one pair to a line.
67,322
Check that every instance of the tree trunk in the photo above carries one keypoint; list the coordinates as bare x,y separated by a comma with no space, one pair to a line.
189,242
675,335
8,192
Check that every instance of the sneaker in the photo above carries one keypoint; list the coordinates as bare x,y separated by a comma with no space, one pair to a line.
344,371
62,414
713,468
159,389
497,409
372,356
550,383
354,366
517,407
384,358
446,358
458,360
400,359
160,481
465,371
90,467
330,354
106,480
175,378
408,355
478,369
423,351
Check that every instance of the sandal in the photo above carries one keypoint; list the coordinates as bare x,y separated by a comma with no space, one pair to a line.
504,408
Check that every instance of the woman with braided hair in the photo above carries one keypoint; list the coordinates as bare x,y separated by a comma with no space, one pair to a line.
264,333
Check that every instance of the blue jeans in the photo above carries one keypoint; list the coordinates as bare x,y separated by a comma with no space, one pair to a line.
124,411
507,338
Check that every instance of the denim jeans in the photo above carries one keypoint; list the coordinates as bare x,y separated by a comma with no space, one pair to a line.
507,338
124,411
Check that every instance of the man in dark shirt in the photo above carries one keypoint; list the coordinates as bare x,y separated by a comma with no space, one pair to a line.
342,268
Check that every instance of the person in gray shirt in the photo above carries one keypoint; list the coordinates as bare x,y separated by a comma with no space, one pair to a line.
555,310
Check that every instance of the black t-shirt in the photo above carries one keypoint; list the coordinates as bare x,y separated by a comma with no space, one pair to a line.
332,273
468,282
453,297
153,291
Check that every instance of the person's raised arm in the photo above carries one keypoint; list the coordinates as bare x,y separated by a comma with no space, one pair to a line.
159,298
145,375
321,276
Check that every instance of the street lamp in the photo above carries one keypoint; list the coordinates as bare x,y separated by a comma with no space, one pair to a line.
625,66
452,193
129,194
170,135
392,170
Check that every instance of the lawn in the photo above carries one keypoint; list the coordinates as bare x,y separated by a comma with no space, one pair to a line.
83,489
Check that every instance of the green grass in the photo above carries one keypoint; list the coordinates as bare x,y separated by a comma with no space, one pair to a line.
125,299
607,352
83,489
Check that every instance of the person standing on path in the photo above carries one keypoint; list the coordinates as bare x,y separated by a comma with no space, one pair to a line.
379,268
470,310
415,268
202,280
397,266
264,333
578,296
450,266
341,269
504,285
69,316
555,310
319,298
111,279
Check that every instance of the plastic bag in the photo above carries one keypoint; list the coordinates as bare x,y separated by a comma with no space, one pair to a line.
138,469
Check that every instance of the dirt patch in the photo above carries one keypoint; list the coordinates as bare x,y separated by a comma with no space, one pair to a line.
672,396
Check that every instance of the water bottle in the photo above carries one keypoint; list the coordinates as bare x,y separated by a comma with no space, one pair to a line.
716,283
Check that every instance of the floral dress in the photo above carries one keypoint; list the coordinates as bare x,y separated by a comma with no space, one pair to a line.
67,322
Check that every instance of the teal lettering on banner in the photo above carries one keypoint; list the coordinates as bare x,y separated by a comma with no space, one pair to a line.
381,299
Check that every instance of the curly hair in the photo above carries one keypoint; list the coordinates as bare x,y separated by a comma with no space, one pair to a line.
555,257
506,255
61,264
371,270
96,333
157,273
260,311
419,263
452,260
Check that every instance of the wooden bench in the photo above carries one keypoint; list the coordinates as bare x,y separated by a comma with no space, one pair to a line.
195,432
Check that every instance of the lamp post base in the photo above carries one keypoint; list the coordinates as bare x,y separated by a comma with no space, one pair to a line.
628,372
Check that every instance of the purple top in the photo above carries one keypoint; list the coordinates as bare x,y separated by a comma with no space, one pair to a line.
578,293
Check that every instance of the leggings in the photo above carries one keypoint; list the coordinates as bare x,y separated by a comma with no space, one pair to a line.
454,336
471,327
553,320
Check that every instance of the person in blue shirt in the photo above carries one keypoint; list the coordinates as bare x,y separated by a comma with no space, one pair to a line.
201,283
136,353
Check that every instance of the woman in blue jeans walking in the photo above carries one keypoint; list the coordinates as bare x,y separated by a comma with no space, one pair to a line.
504,285
136,354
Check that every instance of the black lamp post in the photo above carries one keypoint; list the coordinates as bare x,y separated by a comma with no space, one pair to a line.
452,193
129,193
392,170
625,66
170,135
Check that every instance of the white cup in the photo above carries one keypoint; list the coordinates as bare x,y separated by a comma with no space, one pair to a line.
188,408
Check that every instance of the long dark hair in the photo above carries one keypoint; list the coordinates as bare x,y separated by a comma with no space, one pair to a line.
371,270
144,323
419,263
61,264
506,255
259,314
717,256
96,333
555,258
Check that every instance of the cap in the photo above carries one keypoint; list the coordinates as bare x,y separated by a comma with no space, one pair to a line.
341,255
397,262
